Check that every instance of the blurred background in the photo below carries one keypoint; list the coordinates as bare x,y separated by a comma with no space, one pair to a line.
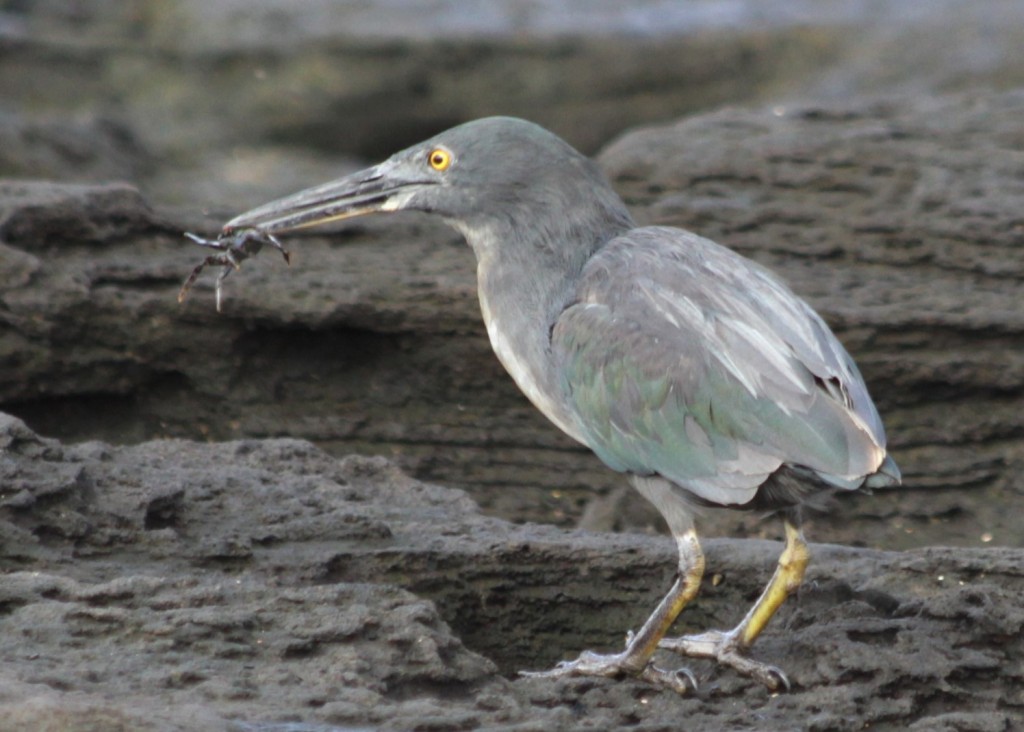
206,100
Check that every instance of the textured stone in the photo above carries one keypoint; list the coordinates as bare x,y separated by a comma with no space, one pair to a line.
259,584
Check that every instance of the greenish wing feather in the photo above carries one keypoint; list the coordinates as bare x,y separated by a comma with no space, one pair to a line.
682,359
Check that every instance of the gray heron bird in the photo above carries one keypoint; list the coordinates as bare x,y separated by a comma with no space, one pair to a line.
689,368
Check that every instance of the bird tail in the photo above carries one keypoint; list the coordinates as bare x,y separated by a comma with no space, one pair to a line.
888,475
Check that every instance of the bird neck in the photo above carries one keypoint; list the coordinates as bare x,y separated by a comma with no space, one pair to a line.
525,280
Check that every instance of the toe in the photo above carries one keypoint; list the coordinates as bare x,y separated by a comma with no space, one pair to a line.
681,681
775,679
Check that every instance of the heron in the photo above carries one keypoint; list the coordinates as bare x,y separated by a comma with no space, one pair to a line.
680,363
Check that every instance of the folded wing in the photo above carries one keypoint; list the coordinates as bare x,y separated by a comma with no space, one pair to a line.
683,359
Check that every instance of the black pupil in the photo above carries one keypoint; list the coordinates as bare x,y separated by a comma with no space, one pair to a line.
438,159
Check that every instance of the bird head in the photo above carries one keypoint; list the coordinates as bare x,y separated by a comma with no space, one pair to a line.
497,171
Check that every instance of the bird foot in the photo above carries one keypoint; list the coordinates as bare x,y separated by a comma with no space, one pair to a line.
726,649
618,665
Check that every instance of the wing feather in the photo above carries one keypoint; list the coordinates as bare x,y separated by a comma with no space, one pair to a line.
682,358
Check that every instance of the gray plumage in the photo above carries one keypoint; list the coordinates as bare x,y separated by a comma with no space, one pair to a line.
677,361
683,359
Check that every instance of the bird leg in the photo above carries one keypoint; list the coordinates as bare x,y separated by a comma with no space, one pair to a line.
729,647
635,660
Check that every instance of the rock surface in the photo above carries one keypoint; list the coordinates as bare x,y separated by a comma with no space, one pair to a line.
264,585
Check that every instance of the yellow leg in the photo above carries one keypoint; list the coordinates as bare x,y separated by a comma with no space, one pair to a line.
787,578
640,646
727,647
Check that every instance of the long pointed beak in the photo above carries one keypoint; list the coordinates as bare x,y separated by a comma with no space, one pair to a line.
365,192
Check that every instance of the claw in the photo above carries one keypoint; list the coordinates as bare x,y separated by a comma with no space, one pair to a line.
726,650
280,247
681,681
783,680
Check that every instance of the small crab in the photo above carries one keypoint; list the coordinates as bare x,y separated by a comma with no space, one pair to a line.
234,247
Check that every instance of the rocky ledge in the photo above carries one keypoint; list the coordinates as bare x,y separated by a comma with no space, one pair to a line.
265,585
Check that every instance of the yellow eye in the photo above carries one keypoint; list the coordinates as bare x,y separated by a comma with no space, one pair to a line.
440,159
